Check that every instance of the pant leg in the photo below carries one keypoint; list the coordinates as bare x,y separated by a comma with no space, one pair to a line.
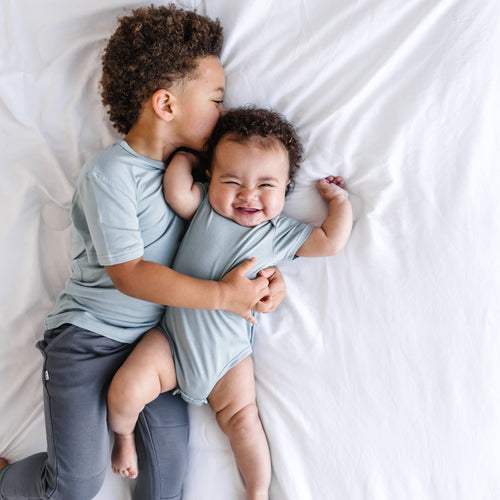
162,449
78,368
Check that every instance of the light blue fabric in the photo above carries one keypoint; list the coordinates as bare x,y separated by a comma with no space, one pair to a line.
206,344
119,214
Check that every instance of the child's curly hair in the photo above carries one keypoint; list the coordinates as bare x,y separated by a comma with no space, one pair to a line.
247,123
152,48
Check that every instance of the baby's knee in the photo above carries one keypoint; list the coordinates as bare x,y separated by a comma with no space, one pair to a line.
124,390
241,423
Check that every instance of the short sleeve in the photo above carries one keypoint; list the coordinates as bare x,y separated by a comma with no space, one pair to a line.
203,190
289,236
110,212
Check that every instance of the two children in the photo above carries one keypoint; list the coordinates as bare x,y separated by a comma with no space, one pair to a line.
206,354
163,84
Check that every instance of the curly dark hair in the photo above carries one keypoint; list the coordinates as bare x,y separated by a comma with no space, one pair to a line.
153,48
248,122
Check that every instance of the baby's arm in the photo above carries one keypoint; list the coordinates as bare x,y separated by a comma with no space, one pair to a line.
329,238
179,189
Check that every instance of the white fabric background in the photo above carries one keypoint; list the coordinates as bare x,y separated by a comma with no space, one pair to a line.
378,377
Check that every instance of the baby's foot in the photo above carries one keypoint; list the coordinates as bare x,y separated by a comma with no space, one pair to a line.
3,463
124,456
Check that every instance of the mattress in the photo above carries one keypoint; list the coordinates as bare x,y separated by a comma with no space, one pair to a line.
378,376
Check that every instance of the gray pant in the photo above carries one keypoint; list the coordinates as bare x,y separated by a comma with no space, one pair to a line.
78,369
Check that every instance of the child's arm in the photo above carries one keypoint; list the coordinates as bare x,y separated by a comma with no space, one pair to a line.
179,189
329,238
156,283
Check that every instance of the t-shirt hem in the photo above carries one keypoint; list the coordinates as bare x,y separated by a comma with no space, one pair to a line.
113,333
111,260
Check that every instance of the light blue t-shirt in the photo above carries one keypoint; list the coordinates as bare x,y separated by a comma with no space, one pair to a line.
119,214
206,344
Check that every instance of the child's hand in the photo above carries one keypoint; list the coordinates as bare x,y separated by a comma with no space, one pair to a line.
331,187
238,294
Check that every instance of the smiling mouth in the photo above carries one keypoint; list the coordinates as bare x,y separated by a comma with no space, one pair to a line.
248,211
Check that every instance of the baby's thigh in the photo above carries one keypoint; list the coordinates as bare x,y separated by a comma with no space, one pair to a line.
235,390
152,359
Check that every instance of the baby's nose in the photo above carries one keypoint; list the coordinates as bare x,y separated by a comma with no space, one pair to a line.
247,193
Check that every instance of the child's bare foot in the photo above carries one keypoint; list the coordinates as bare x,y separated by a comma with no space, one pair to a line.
124,456
3,463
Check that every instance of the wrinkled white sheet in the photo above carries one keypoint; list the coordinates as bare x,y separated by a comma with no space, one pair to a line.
378,377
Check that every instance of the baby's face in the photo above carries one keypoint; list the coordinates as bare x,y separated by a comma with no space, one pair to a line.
247,182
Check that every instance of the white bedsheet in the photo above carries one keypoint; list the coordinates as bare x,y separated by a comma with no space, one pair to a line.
378,377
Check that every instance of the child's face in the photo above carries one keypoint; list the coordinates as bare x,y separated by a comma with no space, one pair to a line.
200,104
247,182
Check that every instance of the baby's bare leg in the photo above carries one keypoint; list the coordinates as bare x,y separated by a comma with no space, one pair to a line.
148,371
233,400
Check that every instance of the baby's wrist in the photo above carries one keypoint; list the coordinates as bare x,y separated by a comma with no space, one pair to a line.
338,196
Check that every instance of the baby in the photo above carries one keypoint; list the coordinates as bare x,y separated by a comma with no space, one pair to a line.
253,155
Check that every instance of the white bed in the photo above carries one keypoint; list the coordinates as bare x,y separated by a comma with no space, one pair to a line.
378,377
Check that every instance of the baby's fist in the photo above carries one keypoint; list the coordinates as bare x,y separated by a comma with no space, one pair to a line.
330,187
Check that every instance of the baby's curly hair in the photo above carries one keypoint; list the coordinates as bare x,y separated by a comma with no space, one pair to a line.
268,127
153,48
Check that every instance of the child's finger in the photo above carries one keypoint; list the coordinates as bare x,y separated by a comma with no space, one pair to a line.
245,267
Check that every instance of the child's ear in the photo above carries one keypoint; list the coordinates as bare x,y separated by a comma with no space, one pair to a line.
162,101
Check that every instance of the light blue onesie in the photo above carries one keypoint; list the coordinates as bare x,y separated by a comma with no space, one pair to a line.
206,344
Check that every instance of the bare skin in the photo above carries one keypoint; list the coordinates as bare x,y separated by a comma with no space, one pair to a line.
3,463
247,185
232,399
234,404
152,358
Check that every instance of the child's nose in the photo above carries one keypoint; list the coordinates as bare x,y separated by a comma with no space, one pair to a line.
246,193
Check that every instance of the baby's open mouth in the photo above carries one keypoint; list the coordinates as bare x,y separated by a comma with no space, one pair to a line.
248,210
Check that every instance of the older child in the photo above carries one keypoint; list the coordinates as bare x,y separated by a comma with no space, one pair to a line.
206,354
163,83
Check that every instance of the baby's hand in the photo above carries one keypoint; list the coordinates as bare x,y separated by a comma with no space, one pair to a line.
331,187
